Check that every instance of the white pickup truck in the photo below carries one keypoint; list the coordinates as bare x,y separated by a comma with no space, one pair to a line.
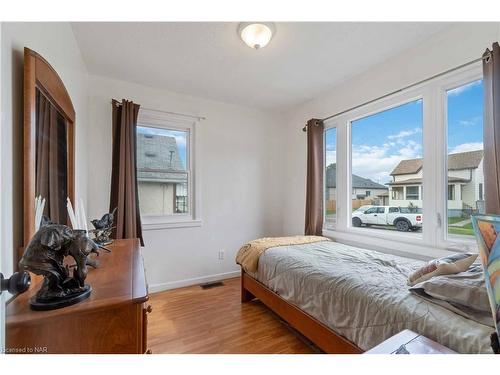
403,218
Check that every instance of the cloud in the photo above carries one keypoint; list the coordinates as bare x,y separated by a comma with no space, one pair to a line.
461,89
404,134
464,147
471,121
330,157
377,162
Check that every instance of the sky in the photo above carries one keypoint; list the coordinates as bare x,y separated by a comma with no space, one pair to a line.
180,138
382,140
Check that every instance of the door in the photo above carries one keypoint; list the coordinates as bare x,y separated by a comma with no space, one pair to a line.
381,216
371,216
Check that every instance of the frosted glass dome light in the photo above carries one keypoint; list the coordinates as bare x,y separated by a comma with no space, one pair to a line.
256,35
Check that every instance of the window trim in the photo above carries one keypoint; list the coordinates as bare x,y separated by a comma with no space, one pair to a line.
417,195
334,224
434,239
164,120
445,239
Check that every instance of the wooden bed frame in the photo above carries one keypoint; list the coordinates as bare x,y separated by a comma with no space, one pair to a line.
325,338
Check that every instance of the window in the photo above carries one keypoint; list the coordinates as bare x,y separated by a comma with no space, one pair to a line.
397,193
464,156
164,170
384,147
411,193
451,192
162,175
330,177
386,151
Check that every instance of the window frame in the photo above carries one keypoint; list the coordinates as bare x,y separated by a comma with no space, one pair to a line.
417,195
451,189
164,120
433,241
450,82
333,225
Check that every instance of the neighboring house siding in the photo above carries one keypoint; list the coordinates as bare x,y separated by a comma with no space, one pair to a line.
362,191
465,174
406,202
360,186
408,176
156,198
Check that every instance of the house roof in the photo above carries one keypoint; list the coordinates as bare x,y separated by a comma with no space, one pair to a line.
357,181
158,159
462,160
418,181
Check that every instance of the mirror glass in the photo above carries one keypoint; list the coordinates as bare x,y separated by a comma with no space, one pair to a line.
51,168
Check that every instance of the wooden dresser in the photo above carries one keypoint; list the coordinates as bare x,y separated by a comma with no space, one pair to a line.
112,320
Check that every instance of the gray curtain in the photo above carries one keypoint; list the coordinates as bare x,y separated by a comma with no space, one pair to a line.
124,191
314,182
491,74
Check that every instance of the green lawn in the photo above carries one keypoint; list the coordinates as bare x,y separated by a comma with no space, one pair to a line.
465,230
453,220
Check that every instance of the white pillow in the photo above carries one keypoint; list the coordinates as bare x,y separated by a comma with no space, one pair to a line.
444,266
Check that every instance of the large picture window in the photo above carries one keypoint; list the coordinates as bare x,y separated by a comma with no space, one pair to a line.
386,154
381,152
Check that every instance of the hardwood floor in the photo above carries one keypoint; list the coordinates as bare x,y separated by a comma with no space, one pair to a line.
196,320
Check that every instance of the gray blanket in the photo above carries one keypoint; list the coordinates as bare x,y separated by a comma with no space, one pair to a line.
362,295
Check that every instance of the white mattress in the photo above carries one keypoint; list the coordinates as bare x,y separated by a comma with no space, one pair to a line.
362,295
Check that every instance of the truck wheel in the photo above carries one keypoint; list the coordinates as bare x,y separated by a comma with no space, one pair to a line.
356,222
402,225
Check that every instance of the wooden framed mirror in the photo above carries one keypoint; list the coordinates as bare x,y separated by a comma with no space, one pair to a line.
49,142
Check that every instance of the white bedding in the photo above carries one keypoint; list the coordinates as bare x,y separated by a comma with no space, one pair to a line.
362,295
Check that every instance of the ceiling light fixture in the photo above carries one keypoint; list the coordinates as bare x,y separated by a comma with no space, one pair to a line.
256,34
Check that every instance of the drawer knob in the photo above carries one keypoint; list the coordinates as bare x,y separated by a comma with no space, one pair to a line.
149,309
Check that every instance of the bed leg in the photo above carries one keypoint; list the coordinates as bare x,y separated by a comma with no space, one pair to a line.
246,296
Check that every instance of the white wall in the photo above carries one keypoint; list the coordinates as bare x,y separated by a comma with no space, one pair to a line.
241,181
56,43
451,48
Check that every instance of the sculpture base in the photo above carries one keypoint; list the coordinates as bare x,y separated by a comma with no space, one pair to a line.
58,303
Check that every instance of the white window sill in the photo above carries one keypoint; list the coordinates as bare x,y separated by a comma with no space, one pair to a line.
158,225
398,244
389,235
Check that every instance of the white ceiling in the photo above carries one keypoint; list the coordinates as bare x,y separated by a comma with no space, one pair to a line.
207,59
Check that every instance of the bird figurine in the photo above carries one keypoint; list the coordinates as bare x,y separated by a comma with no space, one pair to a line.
105,222
103,228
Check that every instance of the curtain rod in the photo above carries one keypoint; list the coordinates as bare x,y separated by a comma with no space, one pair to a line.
118,103
486,57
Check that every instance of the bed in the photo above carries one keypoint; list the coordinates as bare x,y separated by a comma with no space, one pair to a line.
347,299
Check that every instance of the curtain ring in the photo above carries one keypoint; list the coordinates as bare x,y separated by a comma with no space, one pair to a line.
487,56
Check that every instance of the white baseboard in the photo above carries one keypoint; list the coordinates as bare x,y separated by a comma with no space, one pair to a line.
154,288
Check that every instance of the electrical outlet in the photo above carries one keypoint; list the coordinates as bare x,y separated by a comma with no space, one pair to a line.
221,254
